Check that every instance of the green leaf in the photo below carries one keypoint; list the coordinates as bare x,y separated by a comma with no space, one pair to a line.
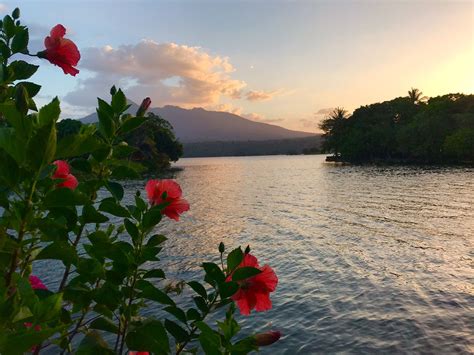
16,13
227,289
155,240
59,251
42,147
176,331
213,272
75,145
104,324
132,229
20,40
21,99
156,273
131,124
201,304
93,344
193,314
148,336
119,102
102,153
80,164
62,197
23,126
177,312
209,339
11,144
124,172
8,26
152,217
106,124
150,292
110,206
123,150
115,189
22,70
198,288
48,308
22,340
9,171
90,215
32,88
49,113
234,259
245,273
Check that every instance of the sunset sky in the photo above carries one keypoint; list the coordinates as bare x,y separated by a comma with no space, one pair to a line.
281,62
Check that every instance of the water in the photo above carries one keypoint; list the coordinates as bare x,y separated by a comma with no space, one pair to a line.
369,259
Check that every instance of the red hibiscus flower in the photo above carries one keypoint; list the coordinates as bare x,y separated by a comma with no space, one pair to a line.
63,172
254,292
138,353
161,191
61,51
36,283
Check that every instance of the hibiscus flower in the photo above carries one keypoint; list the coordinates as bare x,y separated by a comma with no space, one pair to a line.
61,51
254,292
63,172
169,191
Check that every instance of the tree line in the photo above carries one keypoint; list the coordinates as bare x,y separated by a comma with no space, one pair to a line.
410,129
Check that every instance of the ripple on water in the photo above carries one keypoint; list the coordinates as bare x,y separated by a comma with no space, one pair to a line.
369,259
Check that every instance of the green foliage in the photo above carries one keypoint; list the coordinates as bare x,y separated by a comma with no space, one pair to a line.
405,129
104,246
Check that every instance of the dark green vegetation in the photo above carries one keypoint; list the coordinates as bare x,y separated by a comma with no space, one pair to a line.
306,145
154,140
411,129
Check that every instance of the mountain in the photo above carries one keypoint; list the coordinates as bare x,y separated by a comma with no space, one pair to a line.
198,125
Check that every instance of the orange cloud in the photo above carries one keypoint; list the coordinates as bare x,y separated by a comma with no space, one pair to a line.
167,72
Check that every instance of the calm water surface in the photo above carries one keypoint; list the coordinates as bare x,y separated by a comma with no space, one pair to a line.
369,259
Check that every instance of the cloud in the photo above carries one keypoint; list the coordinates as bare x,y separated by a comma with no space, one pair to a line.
167,72
255,95
227,108
3,8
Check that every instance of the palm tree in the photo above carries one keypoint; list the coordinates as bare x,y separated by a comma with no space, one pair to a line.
416,96
332,127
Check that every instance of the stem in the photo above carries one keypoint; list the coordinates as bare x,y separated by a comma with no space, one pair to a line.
118,336
131,298
21,234
68,268
183,345
76,328
125,326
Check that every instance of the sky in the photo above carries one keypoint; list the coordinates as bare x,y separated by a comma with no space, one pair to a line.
281,62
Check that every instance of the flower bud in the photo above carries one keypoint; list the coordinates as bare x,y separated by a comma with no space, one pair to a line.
267,338
144,107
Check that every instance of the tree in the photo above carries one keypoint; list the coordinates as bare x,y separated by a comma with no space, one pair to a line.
156,143
332,126
416,96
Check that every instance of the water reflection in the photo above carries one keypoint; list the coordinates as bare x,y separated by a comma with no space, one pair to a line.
370,259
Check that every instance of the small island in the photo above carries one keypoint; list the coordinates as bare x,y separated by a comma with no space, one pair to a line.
406,130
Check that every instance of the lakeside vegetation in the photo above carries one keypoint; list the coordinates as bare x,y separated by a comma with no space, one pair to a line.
154,142
410,129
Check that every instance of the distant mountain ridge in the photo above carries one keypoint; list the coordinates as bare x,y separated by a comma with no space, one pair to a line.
198,125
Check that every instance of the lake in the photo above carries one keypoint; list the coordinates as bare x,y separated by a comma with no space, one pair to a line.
369,259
